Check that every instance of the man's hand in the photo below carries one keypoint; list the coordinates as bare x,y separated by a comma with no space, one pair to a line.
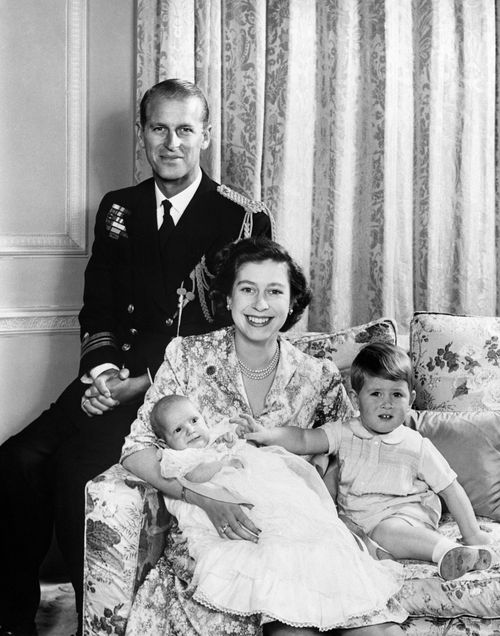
110,388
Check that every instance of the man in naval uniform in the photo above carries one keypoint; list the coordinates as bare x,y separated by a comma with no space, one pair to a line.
145,283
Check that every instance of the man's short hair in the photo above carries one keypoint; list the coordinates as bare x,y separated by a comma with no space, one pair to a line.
174,89
381,360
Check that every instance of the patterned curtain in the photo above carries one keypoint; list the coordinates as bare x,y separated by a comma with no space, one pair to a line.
367,126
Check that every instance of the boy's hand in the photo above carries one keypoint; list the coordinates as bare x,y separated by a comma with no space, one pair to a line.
248,428
244,424
228,439
479,538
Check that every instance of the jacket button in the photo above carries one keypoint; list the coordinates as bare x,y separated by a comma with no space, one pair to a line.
169,322
130,309
133,331
126,346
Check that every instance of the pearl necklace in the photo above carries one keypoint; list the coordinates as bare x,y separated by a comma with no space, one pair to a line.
260,374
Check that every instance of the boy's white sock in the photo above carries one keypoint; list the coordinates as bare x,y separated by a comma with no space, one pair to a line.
442,546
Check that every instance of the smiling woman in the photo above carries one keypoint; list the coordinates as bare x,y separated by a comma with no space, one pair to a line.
255,278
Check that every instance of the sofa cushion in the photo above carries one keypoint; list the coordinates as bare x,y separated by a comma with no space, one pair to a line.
425,593
470,442
457,626
456,362
342,346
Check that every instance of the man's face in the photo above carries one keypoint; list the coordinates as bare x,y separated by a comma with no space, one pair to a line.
173,138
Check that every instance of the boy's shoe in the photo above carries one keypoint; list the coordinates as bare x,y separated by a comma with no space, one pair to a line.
461,559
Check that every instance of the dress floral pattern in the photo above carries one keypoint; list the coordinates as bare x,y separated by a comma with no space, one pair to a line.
306,392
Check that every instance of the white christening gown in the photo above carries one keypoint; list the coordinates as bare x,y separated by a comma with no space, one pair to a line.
306,569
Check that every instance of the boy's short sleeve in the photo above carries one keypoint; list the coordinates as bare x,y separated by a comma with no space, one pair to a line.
433,468
333,431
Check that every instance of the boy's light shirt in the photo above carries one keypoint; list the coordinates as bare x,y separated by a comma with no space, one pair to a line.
333,432
394,437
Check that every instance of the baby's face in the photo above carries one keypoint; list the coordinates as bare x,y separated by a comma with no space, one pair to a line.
384,404
184,427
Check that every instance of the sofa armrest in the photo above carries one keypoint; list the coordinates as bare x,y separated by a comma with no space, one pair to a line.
125,531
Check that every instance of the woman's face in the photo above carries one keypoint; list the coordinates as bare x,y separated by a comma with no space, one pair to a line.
260,299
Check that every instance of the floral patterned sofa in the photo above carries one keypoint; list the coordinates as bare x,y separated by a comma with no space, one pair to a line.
456,362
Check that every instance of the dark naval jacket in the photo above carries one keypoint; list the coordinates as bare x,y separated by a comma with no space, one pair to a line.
133,290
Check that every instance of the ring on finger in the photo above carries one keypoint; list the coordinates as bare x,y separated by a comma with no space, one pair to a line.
224,528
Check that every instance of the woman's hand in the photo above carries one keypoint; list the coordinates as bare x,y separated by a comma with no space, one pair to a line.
229,519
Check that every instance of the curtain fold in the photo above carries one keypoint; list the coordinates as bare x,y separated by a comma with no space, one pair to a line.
367,126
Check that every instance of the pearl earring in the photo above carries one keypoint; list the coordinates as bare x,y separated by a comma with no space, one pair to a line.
290,312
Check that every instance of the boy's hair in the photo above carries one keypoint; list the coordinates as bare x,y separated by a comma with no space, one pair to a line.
164,404
382,360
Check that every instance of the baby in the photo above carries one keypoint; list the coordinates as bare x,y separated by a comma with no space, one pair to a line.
389,475
304,558
176,421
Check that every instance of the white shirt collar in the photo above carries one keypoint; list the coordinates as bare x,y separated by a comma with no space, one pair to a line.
179,201
394,437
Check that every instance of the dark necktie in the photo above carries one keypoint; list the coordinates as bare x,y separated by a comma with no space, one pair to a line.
168,224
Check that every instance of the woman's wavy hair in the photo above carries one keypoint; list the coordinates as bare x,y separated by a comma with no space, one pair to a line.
255,250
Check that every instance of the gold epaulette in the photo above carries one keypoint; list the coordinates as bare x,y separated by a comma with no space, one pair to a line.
250,206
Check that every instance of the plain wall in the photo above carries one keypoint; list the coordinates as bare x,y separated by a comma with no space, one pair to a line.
67,85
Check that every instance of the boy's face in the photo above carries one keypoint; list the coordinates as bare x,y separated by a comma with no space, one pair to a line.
383,404
184,427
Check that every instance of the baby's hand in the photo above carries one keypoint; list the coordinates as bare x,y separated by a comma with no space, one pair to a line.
480,538
234,462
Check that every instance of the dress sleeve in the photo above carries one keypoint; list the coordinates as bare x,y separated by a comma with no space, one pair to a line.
433,468
334,403
171,378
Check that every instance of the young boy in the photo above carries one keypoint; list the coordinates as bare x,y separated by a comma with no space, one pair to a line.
390,475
